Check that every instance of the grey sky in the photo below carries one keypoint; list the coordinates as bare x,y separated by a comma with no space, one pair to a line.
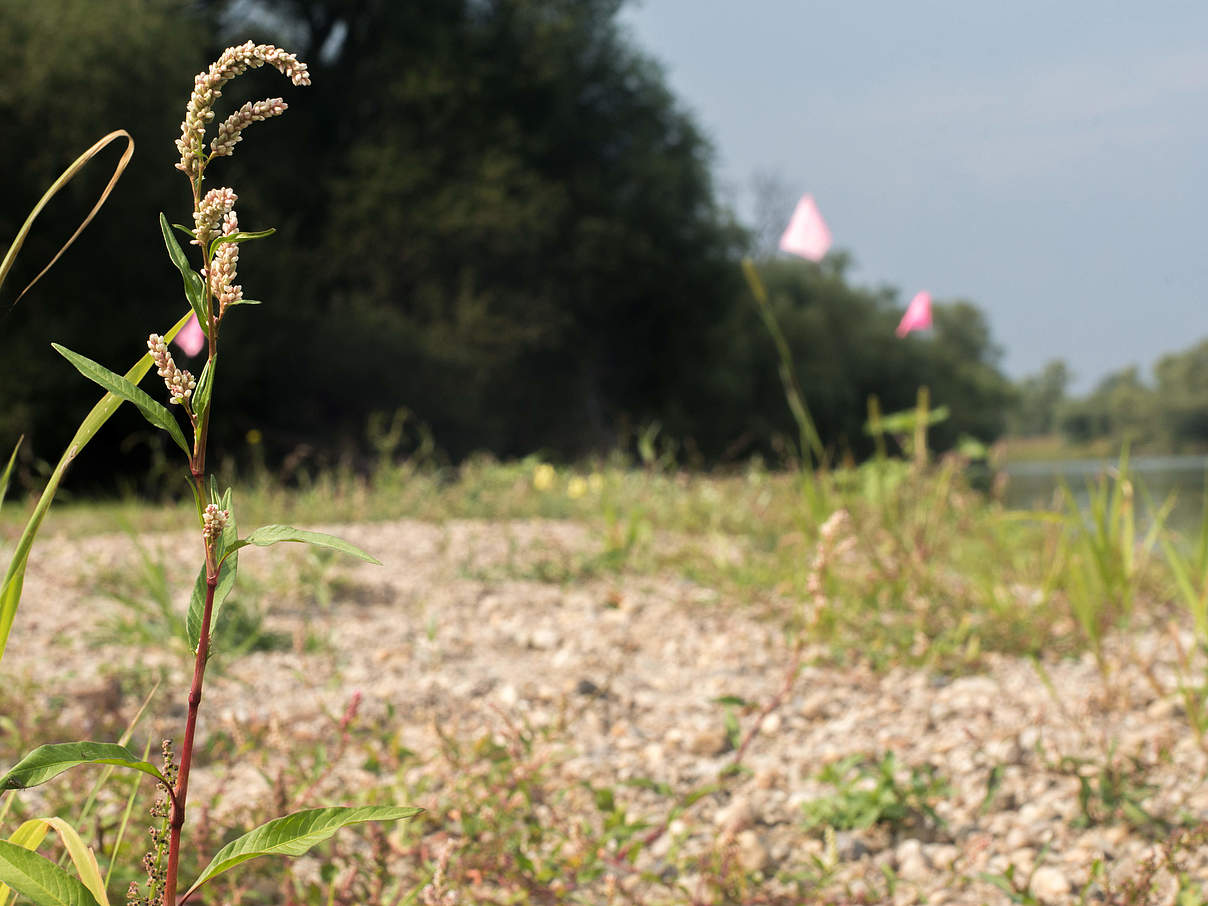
1047,160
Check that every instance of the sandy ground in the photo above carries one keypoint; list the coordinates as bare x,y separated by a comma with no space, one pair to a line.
456,632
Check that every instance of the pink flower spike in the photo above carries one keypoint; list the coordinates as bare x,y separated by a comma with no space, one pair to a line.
191,337
918,314
807,234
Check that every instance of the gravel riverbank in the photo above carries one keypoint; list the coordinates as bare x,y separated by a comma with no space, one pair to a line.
1051,771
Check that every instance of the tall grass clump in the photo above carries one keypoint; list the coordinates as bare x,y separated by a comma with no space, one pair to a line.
213,292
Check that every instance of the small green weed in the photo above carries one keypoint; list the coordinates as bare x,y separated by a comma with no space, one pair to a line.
868,792
1113,790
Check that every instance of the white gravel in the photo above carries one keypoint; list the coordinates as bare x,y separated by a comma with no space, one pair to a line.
449,631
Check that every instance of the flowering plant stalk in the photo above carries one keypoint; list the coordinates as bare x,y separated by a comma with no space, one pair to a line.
213,292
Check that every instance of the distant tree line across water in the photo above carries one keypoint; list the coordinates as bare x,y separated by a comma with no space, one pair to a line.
490,212
1166,414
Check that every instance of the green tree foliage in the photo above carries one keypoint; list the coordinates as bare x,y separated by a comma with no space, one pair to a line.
846,351
1120,407
1039,400
70,71
1182,395
508,226
1171,415
518,238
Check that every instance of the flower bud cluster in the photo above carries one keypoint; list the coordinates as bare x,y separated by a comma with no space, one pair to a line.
229,133
180,383
153,859
213,521
222,271
208,217
834,541
207,88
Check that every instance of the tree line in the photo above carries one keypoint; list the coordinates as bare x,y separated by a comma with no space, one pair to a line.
493,213
1168,413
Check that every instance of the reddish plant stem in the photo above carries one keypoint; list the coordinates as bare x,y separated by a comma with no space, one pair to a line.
197,465
186,752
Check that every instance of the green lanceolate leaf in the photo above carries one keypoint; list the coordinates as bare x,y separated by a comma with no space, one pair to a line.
46,762
195,288
8,470
205,388
227,573
39,880
244,302
156,413
14,575
241,236
274,534
294,834
28,836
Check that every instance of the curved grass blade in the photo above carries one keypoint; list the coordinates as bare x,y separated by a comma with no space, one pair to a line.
39,879
268,535
82,857
107,771
66,177
8,470
195,289
294,834
156,413
46,762
14,576
116,849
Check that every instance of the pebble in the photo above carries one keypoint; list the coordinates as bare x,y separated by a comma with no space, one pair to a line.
910,861
710,742
1050,884
735,816
849,846
752,854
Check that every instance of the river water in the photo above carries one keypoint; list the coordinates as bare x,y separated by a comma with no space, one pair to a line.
1032,484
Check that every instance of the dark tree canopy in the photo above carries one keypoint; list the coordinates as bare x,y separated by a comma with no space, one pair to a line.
491,212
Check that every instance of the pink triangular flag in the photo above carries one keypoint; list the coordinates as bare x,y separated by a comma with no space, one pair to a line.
191,337
807,234
918,314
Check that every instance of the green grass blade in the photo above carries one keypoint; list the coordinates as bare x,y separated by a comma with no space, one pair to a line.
295,834
49,761
1194,598
39,879
107,771
125,822
67,176
8,471
14,577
